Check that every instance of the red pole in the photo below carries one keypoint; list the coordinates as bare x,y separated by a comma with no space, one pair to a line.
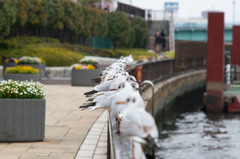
236,45
139,74
215,62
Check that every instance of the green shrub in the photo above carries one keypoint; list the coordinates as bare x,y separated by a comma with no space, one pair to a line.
54,56
119,28
62,54
17,42
140,27
132,37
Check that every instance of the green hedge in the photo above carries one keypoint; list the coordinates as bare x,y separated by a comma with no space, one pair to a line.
59,54
54,56
18,42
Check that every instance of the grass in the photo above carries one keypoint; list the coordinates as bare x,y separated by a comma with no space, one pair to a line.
59,54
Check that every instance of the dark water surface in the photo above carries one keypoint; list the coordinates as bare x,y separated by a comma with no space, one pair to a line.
197,135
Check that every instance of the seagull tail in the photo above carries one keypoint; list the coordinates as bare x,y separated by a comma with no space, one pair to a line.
90,99
152,142
90,92
96,80
87,105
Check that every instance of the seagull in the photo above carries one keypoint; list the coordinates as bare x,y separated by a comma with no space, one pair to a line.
108,83
122,99
139,125
105,99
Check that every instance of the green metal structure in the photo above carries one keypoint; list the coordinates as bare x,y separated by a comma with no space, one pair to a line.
99,42
198,34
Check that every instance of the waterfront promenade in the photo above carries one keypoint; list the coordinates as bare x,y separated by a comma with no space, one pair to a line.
69,133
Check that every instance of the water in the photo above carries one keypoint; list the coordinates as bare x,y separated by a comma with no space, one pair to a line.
196,135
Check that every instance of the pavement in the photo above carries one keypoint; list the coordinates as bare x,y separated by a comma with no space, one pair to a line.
70,133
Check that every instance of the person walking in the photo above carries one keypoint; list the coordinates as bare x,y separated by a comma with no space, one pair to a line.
157,43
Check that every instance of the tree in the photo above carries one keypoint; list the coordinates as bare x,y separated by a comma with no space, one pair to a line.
119,28
21,15
7,16
140,27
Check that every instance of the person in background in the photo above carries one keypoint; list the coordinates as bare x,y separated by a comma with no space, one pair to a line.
163,40
157,43
107,8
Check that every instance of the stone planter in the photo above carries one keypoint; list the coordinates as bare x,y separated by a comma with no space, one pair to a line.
43,69
22,119
37,66
6,65
82,77
21,77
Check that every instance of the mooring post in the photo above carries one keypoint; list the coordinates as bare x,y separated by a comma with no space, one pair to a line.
215,62
236,45
236,50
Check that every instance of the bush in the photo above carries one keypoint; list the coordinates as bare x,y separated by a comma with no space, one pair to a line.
18,42
54,56
62,54
140,27
119,28
22,70
132,37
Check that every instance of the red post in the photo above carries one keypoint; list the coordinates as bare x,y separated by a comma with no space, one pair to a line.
139,74
215,62
236,45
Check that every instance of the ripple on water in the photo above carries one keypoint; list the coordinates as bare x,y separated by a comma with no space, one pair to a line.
197,135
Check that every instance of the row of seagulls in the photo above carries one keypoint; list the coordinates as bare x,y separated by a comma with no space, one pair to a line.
119,92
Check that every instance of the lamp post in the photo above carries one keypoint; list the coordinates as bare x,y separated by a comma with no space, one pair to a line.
233,20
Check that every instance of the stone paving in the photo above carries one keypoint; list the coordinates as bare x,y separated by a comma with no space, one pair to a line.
67,127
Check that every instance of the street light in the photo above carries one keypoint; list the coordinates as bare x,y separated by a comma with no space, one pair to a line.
233,12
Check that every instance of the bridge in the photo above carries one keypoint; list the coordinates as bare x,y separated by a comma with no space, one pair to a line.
198,33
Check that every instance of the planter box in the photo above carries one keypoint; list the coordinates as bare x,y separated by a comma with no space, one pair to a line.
22,119
37,66
83,77
43,69
21,77
6,65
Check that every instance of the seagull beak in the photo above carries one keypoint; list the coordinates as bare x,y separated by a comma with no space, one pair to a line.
121,102
103,76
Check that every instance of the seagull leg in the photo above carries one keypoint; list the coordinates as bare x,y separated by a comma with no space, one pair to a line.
133,150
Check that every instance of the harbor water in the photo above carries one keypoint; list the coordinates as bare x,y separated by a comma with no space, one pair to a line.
197,135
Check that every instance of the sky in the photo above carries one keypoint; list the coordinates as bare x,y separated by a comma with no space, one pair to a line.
193,8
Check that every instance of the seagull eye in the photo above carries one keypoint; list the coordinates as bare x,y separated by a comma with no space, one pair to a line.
134,100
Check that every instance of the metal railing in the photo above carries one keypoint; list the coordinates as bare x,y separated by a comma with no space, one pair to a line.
157,70
131,10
